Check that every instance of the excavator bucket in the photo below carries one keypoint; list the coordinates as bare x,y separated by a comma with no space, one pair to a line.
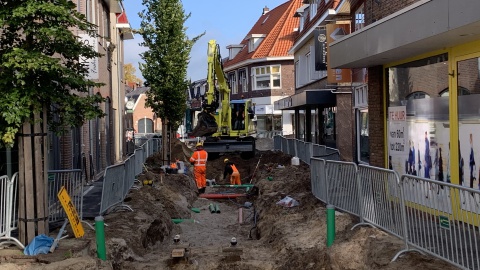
206,125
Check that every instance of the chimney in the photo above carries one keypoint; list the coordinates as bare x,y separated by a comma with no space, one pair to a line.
265,10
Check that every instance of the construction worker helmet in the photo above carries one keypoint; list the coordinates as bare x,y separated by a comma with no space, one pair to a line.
225,160
199,144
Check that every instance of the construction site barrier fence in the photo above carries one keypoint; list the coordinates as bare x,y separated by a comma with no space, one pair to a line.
304,150
119,179
429,216
8,210
73,183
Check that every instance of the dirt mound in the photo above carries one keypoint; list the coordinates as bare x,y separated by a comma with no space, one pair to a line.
269,236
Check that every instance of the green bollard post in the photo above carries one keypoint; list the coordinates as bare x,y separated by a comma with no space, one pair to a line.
100,237
330,224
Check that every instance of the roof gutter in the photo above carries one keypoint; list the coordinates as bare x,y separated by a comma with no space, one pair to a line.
257,60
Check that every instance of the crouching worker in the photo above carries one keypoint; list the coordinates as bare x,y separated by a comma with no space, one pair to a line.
199,161
231,169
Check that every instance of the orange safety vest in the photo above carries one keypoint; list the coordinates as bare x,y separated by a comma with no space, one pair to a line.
199,158
173,165
234,168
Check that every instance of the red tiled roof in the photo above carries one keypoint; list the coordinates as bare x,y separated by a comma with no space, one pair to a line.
278,27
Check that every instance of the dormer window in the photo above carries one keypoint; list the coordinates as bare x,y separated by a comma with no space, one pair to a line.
302,15
254,40
313,8
233,50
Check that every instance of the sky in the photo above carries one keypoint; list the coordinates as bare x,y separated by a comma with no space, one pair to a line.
226,21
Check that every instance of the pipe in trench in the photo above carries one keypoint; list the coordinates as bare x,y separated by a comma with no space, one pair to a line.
222,196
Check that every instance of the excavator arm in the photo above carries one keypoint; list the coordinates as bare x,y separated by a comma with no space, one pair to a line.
217,96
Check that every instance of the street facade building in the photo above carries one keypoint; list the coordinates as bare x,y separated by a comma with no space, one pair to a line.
144,120
99,142
423,84
261,68
323,100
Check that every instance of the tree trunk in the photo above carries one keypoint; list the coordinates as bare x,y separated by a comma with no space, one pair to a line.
32,208
165,142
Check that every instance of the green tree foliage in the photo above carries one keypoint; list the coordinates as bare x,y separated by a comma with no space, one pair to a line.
39,65
166,60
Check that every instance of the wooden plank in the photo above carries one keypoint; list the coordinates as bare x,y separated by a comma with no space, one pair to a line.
39,176
29,179
21,192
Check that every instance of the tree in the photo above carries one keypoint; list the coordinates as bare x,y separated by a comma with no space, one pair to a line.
42,71
39,63
167,57
129,75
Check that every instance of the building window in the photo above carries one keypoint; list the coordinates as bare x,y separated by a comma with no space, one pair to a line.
297,74
308,66
359,18
313,8
266,77
242,80
418,122
232,80
363,148
361,96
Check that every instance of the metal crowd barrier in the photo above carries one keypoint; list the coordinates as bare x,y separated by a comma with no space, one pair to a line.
72,181
433,217
318,179
380,199
138,161
305,150
8,210
113,188
342,186
119,179
442,220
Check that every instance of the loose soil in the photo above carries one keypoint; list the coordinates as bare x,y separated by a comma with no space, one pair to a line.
269,236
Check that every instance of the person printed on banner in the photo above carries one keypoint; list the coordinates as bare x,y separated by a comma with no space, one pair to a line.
440,167
428,158
473,168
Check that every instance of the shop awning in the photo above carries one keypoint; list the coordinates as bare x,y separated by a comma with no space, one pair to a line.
307,98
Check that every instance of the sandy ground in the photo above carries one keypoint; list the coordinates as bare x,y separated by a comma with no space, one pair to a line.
269,236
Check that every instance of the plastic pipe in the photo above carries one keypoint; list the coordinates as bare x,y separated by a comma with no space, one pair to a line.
211,208
196,210
100,237
217,209
221,196
330,224
180,220
234,186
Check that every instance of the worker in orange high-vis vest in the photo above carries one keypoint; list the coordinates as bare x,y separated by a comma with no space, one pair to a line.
231,169
199,161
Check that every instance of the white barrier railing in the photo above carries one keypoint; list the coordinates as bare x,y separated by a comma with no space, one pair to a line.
8,210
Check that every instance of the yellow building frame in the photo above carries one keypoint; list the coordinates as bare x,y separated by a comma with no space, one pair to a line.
455,55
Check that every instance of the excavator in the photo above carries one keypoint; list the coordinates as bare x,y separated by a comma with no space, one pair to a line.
226,124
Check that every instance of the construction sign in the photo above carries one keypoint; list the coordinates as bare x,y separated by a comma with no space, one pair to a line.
71,211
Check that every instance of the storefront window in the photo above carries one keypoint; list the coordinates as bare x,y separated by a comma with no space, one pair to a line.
418,118
468,124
